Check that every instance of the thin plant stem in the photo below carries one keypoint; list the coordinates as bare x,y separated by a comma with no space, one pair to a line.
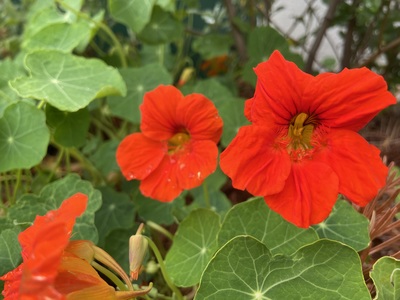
160,229
67,160
7,188
163,269
41,104
17,184
103,27
58,162
104,128
206,196
114,278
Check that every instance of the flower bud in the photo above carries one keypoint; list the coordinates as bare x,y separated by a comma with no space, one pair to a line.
137,250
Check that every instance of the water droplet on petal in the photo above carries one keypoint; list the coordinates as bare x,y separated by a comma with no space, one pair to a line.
181,166
191,175
198,175
130,176
172,160
168,179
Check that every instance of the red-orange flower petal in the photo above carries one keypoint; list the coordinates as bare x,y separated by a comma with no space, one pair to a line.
162,184
256,161
159,112
309,195
195,163
360,170
349,99
200,118
279,91
138,156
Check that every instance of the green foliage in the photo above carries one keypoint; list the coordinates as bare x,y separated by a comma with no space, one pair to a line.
345,225
254,218
245,268
386,276
20,127
53,79
194,244
10,250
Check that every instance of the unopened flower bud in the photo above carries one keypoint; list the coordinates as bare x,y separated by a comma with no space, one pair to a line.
137,251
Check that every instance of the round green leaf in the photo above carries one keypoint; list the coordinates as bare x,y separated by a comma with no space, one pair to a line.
24,137
194,244
345,225
133,13
70,128
10,250
254,218
386,276
67,82
104,157
139,81
212,45
244,268
60,36
161,29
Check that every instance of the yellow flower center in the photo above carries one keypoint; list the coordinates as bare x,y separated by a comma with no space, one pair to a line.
176,142
300,131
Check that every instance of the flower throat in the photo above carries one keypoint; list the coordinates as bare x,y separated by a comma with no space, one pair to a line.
300,131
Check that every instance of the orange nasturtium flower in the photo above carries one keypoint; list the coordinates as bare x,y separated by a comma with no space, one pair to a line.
302,147
177,146
54,267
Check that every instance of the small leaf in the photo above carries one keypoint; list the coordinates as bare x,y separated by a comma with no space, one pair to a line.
70,128
254,218
345,225
139,81
386,276
161,29
212,45
10,250
24,137
63,37
194,244
67,82
245,269
262,42
117,212
104,157
133,13
232,114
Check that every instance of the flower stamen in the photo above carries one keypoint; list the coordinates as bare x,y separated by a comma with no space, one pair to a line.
300,131
177,141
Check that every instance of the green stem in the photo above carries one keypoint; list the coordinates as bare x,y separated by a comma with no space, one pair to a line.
8,193
41,104
163,269
67,160
58,162
160,229
104,128
114,278
16,186
102,26
206,195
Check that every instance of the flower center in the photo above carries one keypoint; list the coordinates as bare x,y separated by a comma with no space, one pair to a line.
300,131
176,142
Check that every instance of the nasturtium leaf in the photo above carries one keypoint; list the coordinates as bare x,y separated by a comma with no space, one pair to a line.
104,157
139,81
9,69
244,268
67,82
345,225
161,29
51,197
232,113
386,276
116,212
24,137
214,90
10,250
70,128
254,218
160,54
261,43
212,45
63,37
133,13
194,244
